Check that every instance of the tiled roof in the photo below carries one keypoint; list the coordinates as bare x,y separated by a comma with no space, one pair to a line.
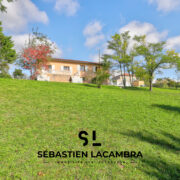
74,61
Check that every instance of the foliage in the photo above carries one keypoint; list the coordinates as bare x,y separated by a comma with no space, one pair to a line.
177,64
7,53
2,7
154,57
141,74
36,54
5,75
102,73
123,55
165,83
17,74
37,116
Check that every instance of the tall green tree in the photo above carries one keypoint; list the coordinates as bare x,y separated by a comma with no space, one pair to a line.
7,53
123,55
102,73
155,57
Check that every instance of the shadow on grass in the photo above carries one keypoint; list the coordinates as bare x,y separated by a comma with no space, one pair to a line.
114,87
160,169
136,88
156,166
86,85
167,107
90,85
172,137
152,139
102,87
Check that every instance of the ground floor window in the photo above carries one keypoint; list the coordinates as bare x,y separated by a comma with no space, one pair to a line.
49,68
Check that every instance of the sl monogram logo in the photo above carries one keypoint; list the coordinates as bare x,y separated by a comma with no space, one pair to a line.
85,139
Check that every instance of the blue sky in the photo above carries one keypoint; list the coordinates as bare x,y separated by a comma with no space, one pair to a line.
81,27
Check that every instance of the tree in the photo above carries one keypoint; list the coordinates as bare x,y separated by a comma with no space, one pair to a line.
2,7
17,74
36,54
154,57
140,73
102,73
123,55
7,53
5,75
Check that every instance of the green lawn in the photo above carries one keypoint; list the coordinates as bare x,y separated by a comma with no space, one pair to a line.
38,116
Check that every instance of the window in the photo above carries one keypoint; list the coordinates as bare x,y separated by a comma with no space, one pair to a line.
95,68
50,68
66,68
82,68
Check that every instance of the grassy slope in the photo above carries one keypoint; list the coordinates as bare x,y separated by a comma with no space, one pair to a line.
41,115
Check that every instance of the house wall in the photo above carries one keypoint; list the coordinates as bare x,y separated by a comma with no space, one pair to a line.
138,83
128,82
59,75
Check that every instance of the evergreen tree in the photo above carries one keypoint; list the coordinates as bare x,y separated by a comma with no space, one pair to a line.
7,53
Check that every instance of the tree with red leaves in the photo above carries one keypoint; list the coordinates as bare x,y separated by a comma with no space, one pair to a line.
36,54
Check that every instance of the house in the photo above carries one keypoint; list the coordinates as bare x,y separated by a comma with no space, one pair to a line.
117,80
138,83
68,70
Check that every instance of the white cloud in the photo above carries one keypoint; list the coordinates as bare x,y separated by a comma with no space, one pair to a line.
21,40
92,28
173,43
58,53
91,41
93,34
69,7
20,13
138,28
166,5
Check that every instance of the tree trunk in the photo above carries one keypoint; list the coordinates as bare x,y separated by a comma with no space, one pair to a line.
150,84
132,81
31,74
124,80
121,72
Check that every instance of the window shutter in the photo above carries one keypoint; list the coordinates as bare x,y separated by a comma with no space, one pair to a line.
86,68
62,68
53,68
70,69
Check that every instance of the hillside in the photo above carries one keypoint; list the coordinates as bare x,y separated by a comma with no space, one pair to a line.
38,116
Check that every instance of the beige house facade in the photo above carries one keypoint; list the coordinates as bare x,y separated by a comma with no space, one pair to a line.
67,70
118,81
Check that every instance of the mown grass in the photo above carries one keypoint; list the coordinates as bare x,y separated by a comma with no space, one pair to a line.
38,116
